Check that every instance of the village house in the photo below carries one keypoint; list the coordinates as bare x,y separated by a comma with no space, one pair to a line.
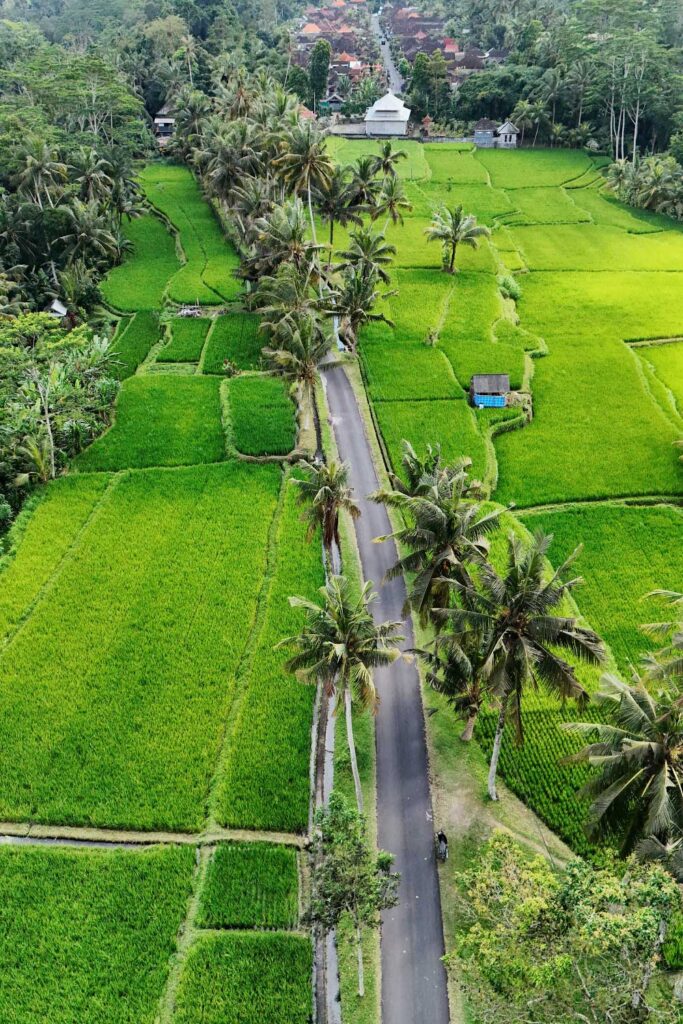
164,125
489,135
388,116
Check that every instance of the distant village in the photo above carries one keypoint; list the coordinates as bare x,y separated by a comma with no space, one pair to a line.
371,61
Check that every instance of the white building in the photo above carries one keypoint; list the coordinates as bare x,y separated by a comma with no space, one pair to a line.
388,116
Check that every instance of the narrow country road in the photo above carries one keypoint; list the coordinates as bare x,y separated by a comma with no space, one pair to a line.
393,74
413,978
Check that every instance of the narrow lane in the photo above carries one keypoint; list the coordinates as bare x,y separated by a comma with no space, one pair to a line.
413,978
393,74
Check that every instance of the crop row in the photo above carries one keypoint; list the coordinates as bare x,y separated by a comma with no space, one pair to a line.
246,978
237,339
133,341
140,281
266,781
86,935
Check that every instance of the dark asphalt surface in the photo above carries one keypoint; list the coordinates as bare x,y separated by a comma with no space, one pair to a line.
414,987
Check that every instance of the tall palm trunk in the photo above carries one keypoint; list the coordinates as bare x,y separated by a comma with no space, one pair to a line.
316,423
454,246
495,754
468,732
352,748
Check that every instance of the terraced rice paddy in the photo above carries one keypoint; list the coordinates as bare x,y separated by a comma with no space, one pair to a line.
142,596
591,276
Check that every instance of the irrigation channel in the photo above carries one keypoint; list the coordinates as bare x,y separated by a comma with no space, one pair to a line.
414,986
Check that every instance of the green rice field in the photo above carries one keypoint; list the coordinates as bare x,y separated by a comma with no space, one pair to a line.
262,416
251,885
590,277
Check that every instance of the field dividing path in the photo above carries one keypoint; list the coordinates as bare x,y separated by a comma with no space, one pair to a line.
413,976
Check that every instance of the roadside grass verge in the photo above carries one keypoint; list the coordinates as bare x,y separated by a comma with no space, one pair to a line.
250,885
117,686
187,340
86,935
160,420
627,552
246,978
262,416
265,780
235,337
132,345
140,281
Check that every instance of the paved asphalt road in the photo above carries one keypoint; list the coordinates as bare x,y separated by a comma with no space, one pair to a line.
413,978
394,75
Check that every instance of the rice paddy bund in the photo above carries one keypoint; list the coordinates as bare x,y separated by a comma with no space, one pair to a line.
142,596
577,298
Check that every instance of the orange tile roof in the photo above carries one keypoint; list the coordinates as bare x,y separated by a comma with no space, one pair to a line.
310,28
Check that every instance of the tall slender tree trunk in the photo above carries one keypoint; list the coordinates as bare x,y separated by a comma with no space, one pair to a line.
359,951
454,246
495,754
44,395
468,732
352,748
316,424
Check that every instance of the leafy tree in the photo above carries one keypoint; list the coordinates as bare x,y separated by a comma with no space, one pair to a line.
638,789
668,660
305,164
578,944
351,301
393,201
340,646
349,879
319,69
453,228
389,158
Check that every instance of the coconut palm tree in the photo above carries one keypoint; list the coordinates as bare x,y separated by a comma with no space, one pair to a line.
333,201
455,668
93,175
453,228
282,235
580,75
446,529
89,232
325,492
40,172
638,753
393,201
369,252
523,117
340,646
516,612
365,185
298,346
388,159
550,89
305,164
668,660
352,302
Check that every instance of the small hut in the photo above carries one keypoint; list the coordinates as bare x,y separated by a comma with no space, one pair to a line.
489,390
